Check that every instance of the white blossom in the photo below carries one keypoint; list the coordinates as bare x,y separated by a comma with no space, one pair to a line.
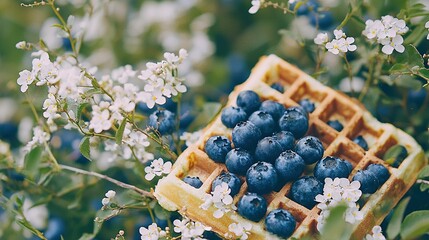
153,232
25,78
321,39
191,138
256,4
100,121
240,230
157,168
189,229
391,44
427,26
376,234
109,196
341,43
4,148
221,199
21,45
39,137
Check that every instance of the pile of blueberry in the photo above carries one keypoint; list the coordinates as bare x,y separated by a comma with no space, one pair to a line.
270,150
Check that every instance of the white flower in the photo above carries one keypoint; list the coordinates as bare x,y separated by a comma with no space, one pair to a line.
321,39
109,196
241,230
157,168
376,234
349,45
256,4
153,232
4,148
191,138
39,137
341,43
189,229
353,214
391,44
122,74
334,46
339,34
100,121
427,26
21,45
25,78
221,199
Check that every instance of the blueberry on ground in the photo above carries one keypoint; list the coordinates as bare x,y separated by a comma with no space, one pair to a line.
264,122
252,206
217,147
368,181
233,115
359,140
331,167
231,179
310,149
268,150
379,171
286,140
278,87
261,178
238,161
273,108
307,105
335,124
294,121
246,135
249,101
280,222
289,166
305,190
193,181
163,121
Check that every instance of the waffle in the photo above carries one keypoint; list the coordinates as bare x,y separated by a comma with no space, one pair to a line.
174,194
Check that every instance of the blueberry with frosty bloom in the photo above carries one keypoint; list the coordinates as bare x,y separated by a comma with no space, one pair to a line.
163,120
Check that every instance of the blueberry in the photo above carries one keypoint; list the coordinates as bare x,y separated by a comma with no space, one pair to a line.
289,166
264,122
278,87
310,149
217,147
299,109
9,133
395,155
294,121
379,171
335,124
252,206
193,181
249,101
246,135
307,105
163,121
231,179
273,108
238,161
322,19
368,181
305,190
349,165
307,7
233,115
261,178
187,116
416,98
359,140
268,150
280,222
331,167
286,140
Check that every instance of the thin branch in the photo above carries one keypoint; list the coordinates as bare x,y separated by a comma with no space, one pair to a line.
112,180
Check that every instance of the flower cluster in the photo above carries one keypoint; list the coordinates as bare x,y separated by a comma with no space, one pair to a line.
337,191
376,234
109,196
387,32
157,168
161,80
39,137
341,43
153,232
191,138
189,229
221,199
240,230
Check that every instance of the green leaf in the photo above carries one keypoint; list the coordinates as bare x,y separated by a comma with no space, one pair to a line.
336,227
85,148
410,57
395,222
424,173
424,73
415,224
209,111
120,132
398,67
395,155
417,35
407,81
32,160
80,109
424,187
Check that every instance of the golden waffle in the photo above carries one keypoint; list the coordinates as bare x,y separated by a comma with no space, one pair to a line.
174,194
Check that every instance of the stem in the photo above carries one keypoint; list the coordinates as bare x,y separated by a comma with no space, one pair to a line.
319,58
350,73
107,178
281,6
33,109
151,214
372,75
52,158
177,139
